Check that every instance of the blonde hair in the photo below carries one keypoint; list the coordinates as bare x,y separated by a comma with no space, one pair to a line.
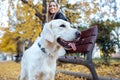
48,15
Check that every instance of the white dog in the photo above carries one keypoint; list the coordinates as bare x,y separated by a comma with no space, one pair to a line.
39,61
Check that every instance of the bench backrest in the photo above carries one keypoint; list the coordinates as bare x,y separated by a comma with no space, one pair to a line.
87,40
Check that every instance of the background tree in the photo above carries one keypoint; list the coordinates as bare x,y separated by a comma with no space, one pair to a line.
107,23
27,26
106,43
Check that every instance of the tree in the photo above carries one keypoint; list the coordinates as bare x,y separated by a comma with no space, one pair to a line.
106,43
27,26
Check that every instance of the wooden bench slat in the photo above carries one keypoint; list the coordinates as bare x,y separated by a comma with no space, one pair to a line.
91,31
87,40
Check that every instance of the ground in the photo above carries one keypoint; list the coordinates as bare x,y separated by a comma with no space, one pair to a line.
9,70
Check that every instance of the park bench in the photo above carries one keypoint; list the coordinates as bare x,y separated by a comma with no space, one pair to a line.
84,46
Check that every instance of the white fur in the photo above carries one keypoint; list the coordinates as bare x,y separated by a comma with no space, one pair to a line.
37,65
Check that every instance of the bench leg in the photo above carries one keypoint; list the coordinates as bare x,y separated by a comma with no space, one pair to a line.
93,71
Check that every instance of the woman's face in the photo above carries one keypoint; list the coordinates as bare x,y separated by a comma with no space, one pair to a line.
53,8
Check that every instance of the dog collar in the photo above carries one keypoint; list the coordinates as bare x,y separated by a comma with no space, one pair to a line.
42,49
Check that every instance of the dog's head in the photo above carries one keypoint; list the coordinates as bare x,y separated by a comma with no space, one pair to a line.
60,31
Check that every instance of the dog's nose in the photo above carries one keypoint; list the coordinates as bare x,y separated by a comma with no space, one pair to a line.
78,33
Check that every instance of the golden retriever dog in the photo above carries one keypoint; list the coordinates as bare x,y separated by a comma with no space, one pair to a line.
39,61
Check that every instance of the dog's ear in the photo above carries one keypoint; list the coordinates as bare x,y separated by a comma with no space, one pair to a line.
48,33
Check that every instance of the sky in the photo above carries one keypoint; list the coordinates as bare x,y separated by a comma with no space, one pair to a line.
3,13
73,1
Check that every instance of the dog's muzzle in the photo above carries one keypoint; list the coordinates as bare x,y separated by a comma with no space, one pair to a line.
68,45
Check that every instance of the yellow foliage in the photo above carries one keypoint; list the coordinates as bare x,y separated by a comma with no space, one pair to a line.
31,22
74,11
63,2
86,4
28,26
8,44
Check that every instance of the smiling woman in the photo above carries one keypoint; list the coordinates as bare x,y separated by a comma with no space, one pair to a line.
53,12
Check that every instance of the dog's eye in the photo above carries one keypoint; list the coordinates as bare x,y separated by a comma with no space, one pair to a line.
62,25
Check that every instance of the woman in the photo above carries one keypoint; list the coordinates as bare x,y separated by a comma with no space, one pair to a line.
53,12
